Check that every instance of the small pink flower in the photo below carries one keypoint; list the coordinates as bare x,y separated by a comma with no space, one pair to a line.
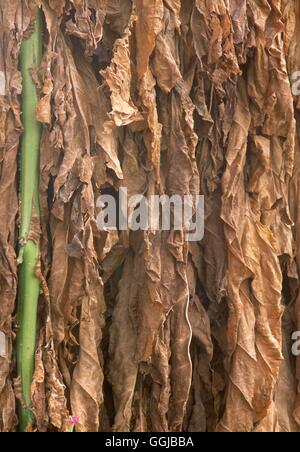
74,420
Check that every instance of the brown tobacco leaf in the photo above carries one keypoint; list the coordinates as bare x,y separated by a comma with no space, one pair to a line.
88,24
17,385
175,7
212,21
142,331
152,135
148,26
255,355
74,283
123,369
118,78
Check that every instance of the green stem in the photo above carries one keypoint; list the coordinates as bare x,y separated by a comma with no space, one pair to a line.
29,286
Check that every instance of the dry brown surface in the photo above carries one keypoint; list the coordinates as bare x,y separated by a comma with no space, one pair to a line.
142,331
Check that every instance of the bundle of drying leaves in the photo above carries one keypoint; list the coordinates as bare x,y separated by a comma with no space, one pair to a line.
143,331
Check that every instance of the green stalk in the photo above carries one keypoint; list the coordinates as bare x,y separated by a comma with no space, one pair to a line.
29,286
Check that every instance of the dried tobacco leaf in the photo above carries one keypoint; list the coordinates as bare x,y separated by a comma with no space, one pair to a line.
143,331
